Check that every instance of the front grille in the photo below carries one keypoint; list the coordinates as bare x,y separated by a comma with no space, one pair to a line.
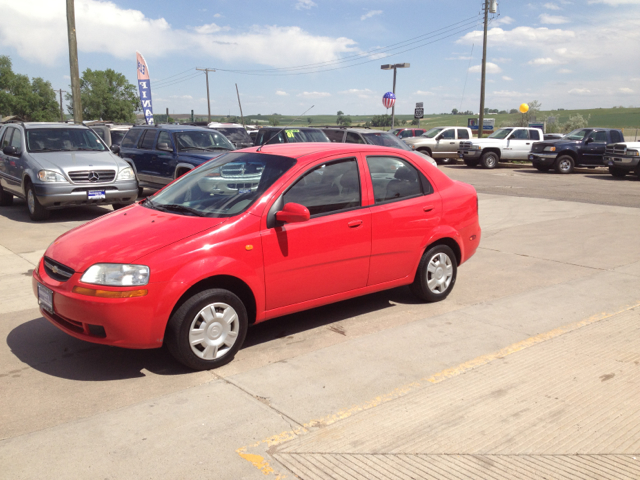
92,176
56,270
240,170
616,149
465,145
241,185
538,147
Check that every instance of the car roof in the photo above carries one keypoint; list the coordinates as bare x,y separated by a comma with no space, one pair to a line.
52,125
354,129
299,150
173,128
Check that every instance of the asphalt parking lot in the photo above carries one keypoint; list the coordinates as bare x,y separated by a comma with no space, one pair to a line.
529,369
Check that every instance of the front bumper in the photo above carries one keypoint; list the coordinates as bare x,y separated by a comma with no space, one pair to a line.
469,154
622,162
543,159
124,322
56,195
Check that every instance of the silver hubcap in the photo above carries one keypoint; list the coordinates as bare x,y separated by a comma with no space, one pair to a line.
565,165
214,331
439,273
31,201
490,161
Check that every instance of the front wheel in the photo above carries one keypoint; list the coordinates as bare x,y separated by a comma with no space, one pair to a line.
490,160
564,164
208,329
436,274
36,211
617,172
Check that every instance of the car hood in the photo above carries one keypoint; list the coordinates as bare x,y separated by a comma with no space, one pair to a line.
124,236
69,161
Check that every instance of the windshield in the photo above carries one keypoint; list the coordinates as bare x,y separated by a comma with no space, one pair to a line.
63,140
235,135
432,133
577,134
223,187
291,135
502,133
385,140
202,140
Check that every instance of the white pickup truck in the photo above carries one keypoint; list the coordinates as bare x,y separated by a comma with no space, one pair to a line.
440,143
503,145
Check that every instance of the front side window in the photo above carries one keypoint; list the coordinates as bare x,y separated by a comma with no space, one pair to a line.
432,133
449,134
579,134
395,179
223,187
328,188
354,138
521,134
6,140
202,140
16,140
63,140
164,137
596,136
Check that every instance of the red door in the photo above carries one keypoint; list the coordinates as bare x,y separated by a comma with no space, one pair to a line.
327,254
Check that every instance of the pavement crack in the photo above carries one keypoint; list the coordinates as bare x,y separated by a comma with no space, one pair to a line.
545,259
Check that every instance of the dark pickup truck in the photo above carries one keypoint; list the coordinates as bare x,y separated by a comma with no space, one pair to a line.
581,148
160,154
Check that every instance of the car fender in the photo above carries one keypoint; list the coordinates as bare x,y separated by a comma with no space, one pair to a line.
441,232
181,165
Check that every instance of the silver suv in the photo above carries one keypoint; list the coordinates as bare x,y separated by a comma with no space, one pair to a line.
57,165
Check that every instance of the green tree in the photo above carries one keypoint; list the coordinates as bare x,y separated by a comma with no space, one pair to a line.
107,95
575,121
340,113
415,121
342,120
381,120
454,111
33,100
309,120
274,121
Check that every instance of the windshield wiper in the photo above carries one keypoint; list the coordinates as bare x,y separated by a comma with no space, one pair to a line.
179,208
45,149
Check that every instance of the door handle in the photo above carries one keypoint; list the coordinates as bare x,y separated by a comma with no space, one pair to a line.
427,208
355,223
528,143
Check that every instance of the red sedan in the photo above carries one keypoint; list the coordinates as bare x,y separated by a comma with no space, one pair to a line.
256,234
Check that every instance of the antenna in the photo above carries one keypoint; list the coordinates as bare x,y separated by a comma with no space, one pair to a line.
283,128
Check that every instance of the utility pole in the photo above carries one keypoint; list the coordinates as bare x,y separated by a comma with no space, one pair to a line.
73,62
241,115
484,70
61,110
206,72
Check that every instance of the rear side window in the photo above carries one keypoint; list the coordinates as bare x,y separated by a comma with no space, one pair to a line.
463,134
149,139
354,138
131,139
534,135
335,136
395,179
616,136
329,188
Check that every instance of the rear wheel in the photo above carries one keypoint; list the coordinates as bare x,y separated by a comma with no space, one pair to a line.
564,164
208,329
36,211
436,274
490,160
6,198
470,163
617,172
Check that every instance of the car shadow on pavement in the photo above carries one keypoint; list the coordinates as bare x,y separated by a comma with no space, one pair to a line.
49,350
18,213
629,178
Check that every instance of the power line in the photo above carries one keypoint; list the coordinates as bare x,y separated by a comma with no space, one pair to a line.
178,81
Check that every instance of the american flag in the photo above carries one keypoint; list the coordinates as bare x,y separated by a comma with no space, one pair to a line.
388,99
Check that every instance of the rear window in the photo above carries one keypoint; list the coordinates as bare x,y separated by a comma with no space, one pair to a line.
334,135
235,135
131,138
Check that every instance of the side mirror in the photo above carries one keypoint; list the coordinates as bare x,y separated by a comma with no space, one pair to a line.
293,213
115,149
11,151
438,137
165,147
589,140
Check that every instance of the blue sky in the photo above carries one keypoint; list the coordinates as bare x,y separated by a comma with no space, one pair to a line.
565,54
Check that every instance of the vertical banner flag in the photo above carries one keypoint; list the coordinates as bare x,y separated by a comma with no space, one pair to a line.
144,87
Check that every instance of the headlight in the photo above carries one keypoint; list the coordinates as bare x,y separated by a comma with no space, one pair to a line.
633,153
116,275
126,174
549,149
50,176
476,147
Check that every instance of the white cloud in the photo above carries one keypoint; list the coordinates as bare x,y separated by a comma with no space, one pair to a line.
314,94
508,79
421,92
551,6
564,70
579,91
501,60
552,19
502,21
360,93
520,37
282,93
217,15
615,3
305,4
104,27
625,90
544,61
371,13
491,68
181,97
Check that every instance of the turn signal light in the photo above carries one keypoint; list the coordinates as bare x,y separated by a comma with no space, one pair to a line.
109,293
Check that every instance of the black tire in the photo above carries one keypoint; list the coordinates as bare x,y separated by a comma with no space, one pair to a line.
543,169
490,160
440,286
6,199
118,206
214,345
36,211
140,192
470,163
617,172
426,151
564,164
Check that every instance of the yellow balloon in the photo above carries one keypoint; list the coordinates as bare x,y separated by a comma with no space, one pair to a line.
524,108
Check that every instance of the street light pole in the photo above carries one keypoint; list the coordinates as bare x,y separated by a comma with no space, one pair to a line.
484,70
395,70
73,62
206,72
